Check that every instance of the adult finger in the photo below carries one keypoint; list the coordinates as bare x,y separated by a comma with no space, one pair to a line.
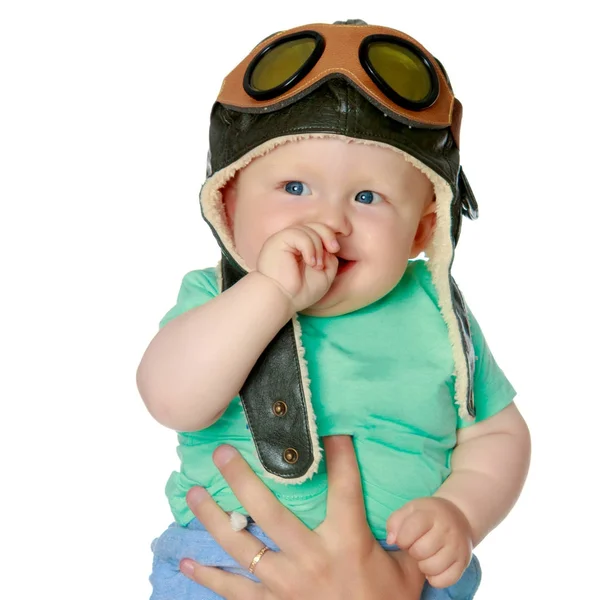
281,525
228,585
242,546
344,489
409,567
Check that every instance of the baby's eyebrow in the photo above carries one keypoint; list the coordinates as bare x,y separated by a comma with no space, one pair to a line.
302,168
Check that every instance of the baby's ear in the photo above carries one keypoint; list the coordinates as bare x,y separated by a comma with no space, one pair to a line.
229,198
424,231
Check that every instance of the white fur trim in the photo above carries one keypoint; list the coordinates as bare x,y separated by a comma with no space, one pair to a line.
219,277
238,521
440,252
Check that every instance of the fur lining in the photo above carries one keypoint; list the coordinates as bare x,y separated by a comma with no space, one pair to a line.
219,277
440,252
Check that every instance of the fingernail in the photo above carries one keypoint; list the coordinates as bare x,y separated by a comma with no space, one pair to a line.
186,566
223,454
391,538
335,245
196,495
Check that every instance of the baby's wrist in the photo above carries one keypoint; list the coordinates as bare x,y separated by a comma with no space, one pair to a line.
283,298
466,526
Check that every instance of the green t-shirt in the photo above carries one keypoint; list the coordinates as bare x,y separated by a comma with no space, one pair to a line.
383,374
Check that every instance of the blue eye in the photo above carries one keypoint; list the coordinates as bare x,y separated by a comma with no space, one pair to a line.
368,197
297,188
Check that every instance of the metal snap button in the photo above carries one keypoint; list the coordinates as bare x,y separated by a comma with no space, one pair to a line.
280,408
291,456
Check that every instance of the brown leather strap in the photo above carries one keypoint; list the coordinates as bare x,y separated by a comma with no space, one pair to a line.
457,112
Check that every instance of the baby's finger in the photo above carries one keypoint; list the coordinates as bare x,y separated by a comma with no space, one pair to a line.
449,577
441,561
406,527
317,243
327,235
331,264
427,545
308,243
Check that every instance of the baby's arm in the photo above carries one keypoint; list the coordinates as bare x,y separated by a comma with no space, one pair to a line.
197,363
489,467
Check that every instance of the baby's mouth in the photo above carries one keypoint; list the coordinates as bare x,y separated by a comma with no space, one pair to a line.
344,264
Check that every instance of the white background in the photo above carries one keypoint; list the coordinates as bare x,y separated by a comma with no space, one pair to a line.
103,133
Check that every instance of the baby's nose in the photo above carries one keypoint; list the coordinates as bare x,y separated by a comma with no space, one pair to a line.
336,217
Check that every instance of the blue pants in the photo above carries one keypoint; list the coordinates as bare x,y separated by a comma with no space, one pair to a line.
193,541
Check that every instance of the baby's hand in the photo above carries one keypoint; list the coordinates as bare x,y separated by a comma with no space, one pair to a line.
437,535
300,260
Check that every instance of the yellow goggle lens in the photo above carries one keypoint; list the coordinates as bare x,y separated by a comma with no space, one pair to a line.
401,69
280,63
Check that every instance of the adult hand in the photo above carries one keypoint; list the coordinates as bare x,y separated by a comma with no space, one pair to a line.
339,560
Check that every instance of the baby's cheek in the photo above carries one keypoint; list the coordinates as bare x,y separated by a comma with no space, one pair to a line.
246,248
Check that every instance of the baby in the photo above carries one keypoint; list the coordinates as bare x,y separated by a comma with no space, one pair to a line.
333,167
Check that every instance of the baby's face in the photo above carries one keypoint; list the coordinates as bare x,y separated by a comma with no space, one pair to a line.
380,207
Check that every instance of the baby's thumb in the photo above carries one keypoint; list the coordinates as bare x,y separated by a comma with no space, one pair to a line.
395,522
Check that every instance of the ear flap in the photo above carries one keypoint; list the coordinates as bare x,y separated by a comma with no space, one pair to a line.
469,206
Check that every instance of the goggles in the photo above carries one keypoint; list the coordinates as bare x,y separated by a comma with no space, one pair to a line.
396,72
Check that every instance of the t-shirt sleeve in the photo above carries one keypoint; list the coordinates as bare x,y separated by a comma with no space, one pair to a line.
492,390
197,288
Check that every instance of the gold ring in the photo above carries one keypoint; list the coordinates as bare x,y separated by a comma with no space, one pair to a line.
257,558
